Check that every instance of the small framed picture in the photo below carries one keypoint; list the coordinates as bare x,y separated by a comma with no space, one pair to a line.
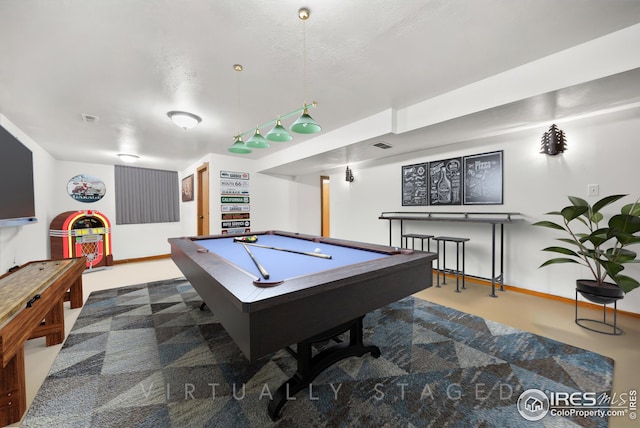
414,184
187,188
445,178
483,179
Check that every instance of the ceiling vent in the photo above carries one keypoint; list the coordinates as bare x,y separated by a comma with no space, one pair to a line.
89,118
382,145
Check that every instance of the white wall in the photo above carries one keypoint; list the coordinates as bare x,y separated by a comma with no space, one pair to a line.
271,198
601,150
307,218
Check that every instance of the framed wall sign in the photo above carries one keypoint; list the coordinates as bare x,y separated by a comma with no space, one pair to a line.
187,188
445,182
86,188
414,184
483,179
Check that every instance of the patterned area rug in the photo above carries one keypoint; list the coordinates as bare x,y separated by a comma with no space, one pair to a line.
146,355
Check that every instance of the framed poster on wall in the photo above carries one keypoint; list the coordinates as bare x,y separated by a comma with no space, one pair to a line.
187,188
445,178
414,184
483,179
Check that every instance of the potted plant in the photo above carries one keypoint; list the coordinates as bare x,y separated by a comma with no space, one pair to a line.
602,249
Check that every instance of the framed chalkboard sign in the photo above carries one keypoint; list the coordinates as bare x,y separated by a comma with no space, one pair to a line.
414,184
445,178
483,179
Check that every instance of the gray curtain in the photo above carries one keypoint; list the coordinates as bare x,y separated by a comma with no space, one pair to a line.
146,195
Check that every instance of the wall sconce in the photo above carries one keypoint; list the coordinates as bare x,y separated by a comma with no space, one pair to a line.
184,119
348,175
553,141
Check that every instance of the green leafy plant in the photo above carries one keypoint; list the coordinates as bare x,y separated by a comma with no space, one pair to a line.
603,249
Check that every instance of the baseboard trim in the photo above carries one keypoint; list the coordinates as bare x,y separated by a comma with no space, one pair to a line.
581,304
142,259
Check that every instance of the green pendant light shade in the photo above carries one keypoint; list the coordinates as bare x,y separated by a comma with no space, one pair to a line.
257,141
279,133
239,147
305,124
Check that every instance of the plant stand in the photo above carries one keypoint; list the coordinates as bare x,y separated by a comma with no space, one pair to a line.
590,291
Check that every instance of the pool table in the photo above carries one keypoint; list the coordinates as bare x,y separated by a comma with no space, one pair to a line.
305,296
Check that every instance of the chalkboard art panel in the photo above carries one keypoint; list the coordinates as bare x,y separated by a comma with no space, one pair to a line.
414,184
445,178
483,179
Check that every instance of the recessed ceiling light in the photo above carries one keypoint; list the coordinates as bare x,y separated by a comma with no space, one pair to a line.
128,157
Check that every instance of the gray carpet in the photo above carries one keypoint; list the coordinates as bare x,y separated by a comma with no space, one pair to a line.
147,356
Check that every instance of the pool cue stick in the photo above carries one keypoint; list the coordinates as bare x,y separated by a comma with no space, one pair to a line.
262,270
305,253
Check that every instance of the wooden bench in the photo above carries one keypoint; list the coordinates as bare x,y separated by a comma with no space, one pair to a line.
31,305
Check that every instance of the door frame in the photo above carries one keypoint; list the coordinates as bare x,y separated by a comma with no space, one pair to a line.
202,192
325,220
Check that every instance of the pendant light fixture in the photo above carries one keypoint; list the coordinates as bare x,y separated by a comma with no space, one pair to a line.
239,146
279,133
257,141
305,123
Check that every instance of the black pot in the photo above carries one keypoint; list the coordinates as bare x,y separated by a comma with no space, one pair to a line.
603,294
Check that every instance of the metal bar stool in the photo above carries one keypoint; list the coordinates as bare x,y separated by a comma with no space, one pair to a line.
414,236
458,272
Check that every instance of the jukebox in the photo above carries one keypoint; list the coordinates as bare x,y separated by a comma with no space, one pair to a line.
82,233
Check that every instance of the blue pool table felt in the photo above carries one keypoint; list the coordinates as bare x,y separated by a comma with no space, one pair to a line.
282,265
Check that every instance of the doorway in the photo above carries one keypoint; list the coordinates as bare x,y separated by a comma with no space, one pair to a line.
324,206
203,199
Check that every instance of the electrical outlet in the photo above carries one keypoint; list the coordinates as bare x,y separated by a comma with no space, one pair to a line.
593,189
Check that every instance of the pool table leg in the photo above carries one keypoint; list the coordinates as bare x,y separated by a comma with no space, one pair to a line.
310,366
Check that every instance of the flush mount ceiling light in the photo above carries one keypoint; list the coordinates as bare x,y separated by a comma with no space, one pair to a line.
183,119
126,157
303,125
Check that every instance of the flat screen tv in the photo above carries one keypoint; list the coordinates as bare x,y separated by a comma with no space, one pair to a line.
17,205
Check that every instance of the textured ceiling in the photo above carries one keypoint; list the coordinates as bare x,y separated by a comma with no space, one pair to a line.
128,62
